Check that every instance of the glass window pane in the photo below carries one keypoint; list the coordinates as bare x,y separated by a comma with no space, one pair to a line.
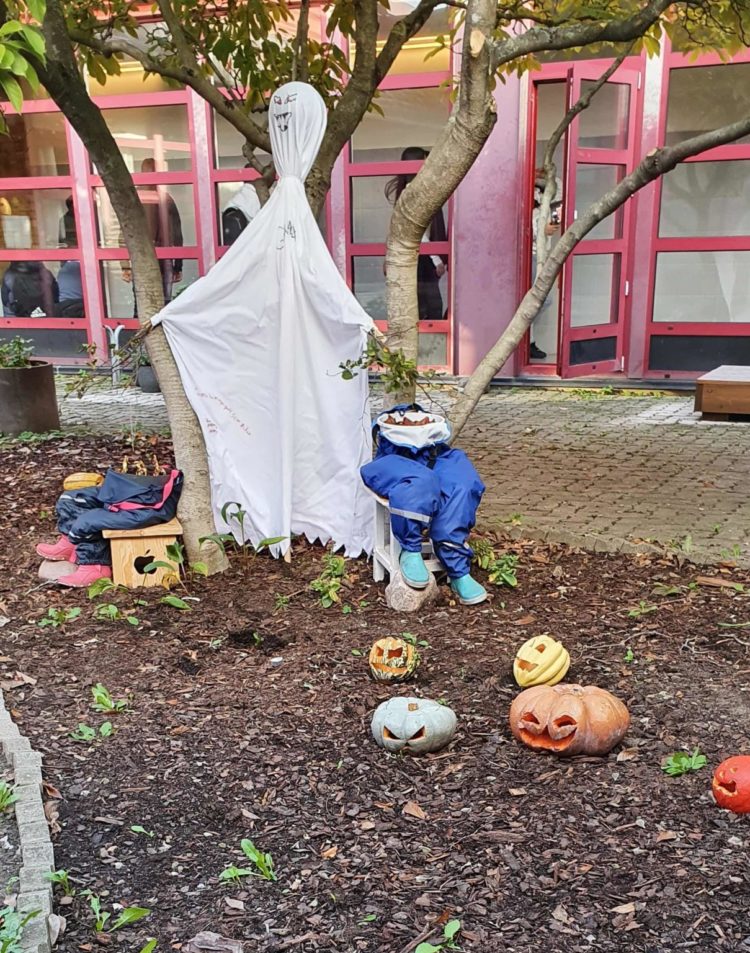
705,97
154,139
550,109
119,299
35,144
711,286
228,145
170,213
433,350
372,210
411,59
604,125
595,283
49,342
41,289
369,288
592,182
706,198
36,218
413,117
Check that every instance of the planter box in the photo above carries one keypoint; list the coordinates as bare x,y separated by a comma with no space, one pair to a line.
147,380
28,402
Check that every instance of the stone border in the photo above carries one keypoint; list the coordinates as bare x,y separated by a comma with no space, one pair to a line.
38,859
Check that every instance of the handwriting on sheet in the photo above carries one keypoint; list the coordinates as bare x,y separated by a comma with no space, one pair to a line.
227,410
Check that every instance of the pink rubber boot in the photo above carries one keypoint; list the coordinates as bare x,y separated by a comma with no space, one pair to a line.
61,551
85,575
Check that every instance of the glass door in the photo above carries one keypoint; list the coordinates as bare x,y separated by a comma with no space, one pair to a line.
601,150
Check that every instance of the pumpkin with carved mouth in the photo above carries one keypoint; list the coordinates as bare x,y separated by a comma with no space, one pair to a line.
413,725
569,719
541,661
731,784
393,660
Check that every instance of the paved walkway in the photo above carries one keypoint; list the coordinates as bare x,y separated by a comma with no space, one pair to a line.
602,471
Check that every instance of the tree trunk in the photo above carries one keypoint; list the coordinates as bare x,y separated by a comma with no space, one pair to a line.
61,77
444,168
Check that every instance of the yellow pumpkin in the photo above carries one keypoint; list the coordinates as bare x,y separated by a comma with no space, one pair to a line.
541,661
78,481
393,660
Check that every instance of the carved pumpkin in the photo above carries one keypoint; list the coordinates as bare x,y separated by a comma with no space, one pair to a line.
393,660
541,661
569,719
415,725
731,784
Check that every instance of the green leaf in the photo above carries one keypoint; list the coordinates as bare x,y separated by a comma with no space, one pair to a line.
427,948
129,915
106,729
159,564
35,40
137,829
200,568
11,26
452,927
175,602
149,947
270,542
13,91
37,8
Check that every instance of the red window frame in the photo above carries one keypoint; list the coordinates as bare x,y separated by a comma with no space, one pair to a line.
674,60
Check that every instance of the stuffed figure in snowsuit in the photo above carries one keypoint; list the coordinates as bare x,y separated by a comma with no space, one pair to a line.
430,486
122,501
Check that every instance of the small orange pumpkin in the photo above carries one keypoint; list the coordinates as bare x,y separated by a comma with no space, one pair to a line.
731,784
569,719
393,660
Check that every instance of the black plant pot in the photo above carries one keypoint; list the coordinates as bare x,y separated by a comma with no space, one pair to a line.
28,402
147,380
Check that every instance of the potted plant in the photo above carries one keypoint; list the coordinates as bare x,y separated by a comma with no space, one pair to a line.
28,402
145,377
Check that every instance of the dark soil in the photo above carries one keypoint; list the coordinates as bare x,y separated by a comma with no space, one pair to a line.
530,852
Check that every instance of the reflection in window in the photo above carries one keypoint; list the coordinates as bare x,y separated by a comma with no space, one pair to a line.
592,182
412,117
698,286
228,143
42,289
433,350
596,281
372,210
49,342
36,218
412,58
117,284
369,288
158,135
35,144
706,97
706,198
170,213
604,125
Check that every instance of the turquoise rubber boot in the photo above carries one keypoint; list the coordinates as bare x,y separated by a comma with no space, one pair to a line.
468,591
413,570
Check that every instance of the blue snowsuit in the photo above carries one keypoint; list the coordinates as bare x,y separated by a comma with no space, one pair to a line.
123,501
433,488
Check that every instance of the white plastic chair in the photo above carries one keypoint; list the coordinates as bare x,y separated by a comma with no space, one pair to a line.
387,549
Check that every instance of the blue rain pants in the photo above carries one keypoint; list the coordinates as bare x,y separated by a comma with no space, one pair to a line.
83,514
435,489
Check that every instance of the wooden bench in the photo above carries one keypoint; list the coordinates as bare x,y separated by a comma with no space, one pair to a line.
724,393
133,549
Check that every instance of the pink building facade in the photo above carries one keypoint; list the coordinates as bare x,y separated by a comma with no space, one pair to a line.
659,291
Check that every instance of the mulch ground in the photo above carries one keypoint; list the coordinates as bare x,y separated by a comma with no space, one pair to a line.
530,852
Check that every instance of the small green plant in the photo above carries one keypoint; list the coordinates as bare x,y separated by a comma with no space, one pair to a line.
643,608
450,931
8,796
233,874
680,762
103,701
175,602
86,734
328,583
263,862
102,917
137,829
149,947
663,589
281,602
16,352
734,553
109,612
370,918
501,570
629,656
101,586
12,925
58,617
413,640
60,878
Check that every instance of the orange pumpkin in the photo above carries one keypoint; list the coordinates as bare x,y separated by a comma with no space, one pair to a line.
393,660
569,719
731,784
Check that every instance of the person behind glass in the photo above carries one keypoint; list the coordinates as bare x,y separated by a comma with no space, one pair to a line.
29,290
165,228
430,268
69,280
550,229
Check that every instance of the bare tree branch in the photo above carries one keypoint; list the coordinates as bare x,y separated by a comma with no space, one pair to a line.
301,70
655,164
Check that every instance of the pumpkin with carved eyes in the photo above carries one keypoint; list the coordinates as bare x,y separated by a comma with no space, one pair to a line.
569,719
393,660
416,725
731,784
541,661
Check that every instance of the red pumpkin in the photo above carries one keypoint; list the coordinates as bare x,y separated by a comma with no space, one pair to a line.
731,784
569,719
